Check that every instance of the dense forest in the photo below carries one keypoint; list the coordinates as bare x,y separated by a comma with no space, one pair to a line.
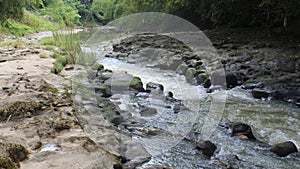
35,14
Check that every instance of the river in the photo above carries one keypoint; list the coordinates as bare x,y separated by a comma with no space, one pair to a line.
271,121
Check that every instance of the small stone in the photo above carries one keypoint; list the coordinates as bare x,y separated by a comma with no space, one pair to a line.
20,68
5,88
69,67
36,145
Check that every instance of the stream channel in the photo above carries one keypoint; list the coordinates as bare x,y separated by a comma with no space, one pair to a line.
194,115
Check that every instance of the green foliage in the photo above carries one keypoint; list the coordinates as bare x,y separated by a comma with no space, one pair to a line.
276,12
104,9
11,9
63,12
69,52
15,28
38,23
7,163
206,13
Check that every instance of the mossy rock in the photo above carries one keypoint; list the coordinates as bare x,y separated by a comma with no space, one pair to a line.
98,67
103,90
136,84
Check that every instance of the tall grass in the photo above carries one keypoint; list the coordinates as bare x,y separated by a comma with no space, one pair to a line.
69,44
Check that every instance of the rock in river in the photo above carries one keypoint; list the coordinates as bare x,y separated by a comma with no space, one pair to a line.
284,149
207,148
242,131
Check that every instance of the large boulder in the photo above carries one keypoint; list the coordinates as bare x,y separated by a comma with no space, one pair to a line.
123,82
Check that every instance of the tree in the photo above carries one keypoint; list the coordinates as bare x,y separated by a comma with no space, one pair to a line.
11,9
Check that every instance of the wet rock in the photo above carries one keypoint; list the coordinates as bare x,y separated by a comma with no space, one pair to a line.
168,63
231,80
182,68
284,149
218,78
298,102
136,84
98,67
285,94
202,79
123,82
154,86
261,93
117,120
133,164
148,112
251,86
206,147
118,166
158,167
103,91
242,131
224,78
214,88
190,75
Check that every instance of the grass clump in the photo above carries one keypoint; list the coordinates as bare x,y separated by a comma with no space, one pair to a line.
69,52
18,44
60,63
6,163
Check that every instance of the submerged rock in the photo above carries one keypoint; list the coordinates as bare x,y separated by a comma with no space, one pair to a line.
148,112
284,149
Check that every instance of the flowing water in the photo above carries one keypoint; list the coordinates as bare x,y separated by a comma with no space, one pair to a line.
271,121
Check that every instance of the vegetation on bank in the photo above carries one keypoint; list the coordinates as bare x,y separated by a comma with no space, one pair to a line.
209,13
21,17
26,16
